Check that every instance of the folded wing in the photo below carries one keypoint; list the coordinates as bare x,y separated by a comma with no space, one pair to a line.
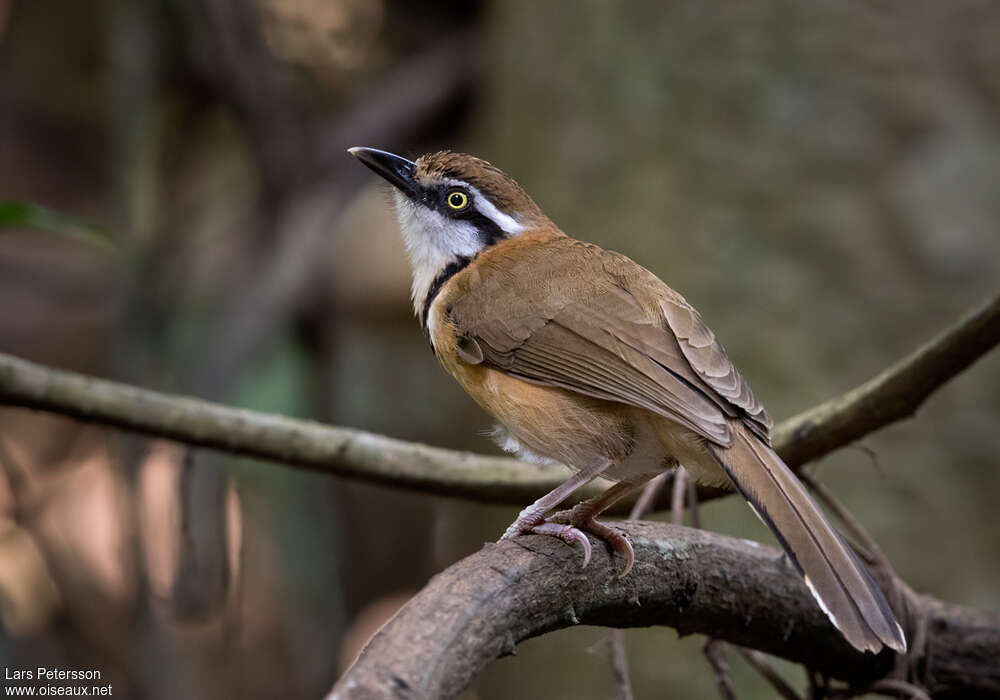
626,337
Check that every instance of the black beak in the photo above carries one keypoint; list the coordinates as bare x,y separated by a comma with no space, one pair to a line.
400,172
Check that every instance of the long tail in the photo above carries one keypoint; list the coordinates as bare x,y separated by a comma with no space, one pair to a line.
839,582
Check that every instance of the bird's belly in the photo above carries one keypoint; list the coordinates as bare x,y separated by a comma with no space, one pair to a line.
551,423
548,423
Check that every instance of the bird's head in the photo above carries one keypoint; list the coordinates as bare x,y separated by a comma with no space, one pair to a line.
451,207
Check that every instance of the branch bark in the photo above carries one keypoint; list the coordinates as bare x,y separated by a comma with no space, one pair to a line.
892,395
694,581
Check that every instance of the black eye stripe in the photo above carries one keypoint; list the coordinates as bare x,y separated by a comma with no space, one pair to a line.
490,232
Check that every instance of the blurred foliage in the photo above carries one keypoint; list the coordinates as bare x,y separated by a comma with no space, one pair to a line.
29,215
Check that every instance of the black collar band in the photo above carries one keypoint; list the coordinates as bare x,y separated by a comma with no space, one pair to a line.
452,269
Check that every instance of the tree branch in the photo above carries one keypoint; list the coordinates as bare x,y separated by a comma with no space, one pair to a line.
892,395
302,443
694,581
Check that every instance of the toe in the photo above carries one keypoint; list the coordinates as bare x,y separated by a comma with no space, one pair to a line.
615,539
563,517
626,549
568,534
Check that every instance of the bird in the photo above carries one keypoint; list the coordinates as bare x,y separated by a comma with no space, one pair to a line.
588,359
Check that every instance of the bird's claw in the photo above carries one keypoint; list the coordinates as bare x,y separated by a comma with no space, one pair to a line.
619,543
567,533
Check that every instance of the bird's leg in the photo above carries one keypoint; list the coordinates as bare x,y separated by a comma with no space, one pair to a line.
532,518
582,517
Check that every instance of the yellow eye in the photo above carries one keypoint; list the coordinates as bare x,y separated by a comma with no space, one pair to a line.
458,200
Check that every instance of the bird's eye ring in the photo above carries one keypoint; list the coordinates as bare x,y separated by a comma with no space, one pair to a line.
457,200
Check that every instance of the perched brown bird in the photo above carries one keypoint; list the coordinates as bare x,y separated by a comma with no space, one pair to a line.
588,359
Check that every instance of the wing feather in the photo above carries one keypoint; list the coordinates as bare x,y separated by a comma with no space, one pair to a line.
625,337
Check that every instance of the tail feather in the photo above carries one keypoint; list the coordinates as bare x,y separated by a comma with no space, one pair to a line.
839,582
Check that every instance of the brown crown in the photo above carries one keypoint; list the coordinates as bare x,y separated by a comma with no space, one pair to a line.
505,194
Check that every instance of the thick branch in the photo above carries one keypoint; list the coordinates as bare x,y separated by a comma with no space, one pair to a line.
694,581
892,395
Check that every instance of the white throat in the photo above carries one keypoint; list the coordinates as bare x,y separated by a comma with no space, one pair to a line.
434,241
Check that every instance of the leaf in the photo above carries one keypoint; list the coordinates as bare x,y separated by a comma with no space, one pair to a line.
15,214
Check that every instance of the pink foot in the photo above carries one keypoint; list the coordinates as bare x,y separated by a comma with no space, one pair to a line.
611,536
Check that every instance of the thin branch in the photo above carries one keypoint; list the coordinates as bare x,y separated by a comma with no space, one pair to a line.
356,454
764,668
679,491
644,503
888,687
861,542
900,596
692,499
302,443
715,652
619,656
619,665
894,394
698,582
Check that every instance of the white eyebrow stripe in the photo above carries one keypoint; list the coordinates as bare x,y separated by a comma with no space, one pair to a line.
485,207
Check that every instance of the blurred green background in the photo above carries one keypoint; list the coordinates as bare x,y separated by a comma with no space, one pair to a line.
821,180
